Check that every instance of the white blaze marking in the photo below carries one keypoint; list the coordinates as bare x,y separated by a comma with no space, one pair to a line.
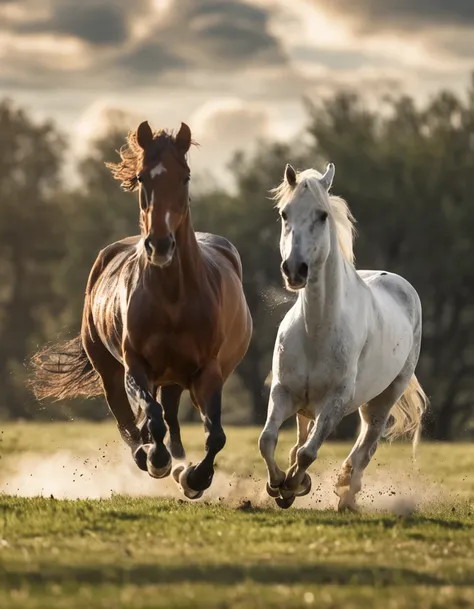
152,202
167,219
157,170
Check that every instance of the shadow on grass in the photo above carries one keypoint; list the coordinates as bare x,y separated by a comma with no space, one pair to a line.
331,519
444,524
146,574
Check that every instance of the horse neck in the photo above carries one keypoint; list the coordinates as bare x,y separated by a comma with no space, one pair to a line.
186,269
322,298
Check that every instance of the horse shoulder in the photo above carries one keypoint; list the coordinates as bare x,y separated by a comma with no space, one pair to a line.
289,363
222,246
107,255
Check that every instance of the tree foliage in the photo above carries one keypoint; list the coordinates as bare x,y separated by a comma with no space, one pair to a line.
406,171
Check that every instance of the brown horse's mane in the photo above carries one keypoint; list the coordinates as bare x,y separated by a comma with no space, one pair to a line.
133,157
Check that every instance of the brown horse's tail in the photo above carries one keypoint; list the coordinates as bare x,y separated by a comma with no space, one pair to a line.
64,371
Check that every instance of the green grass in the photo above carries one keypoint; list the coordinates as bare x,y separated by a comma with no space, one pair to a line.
152,552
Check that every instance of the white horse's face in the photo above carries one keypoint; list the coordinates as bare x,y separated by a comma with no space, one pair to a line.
305,240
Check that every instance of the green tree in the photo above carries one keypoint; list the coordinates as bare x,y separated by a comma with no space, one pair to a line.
408,175
407,172
31,241
249,220
98,213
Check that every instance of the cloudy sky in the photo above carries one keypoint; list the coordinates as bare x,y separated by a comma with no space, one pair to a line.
235,70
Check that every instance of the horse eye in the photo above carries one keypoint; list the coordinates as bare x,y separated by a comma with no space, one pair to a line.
284,216
324,216
187,179
139,179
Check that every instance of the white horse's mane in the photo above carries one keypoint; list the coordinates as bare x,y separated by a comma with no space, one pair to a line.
336,206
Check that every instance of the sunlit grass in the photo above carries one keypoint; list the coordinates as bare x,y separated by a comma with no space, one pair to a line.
154,552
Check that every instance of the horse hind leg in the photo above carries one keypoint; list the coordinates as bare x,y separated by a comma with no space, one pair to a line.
206,394
374,416
349,479
169,398
303,427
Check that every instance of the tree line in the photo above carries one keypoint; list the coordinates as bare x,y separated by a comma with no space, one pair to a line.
406,170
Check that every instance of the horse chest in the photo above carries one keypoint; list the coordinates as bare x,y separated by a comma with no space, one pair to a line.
308,381
174,358
176,345
309,373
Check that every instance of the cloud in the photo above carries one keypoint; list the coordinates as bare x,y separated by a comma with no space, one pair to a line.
222,127
129,44
96,22
93,24
433,34
337,59
164,58
210,35
231,119
401,14
455,42
151,58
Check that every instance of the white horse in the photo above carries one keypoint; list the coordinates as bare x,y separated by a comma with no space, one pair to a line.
351,341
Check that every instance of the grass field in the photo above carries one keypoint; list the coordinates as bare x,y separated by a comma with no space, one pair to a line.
411,545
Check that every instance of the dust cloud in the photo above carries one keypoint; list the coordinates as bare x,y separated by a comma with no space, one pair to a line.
107,472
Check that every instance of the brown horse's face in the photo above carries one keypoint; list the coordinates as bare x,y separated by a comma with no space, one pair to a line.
164,194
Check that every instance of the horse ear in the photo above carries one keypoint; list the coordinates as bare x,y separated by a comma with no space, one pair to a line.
144,135
183,138
290,175
328,177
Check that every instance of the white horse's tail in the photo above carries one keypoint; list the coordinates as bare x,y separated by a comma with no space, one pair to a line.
407,413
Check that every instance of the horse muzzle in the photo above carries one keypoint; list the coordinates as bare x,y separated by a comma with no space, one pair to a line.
295,273
160,251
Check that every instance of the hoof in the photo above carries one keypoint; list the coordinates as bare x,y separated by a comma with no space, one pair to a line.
346,506
285,502
180,474
193,494
158,472
177,472
286,493
273,492
140,456
305,487
158,454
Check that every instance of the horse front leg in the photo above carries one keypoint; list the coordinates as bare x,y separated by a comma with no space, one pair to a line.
297,481
280,407
206,393
138,388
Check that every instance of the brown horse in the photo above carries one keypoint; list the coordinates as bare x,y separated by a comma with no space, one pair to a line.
163,312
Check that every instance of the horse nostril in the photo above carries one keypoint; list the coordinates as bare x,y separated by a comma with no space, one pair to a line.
284,268
303,270
148,246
